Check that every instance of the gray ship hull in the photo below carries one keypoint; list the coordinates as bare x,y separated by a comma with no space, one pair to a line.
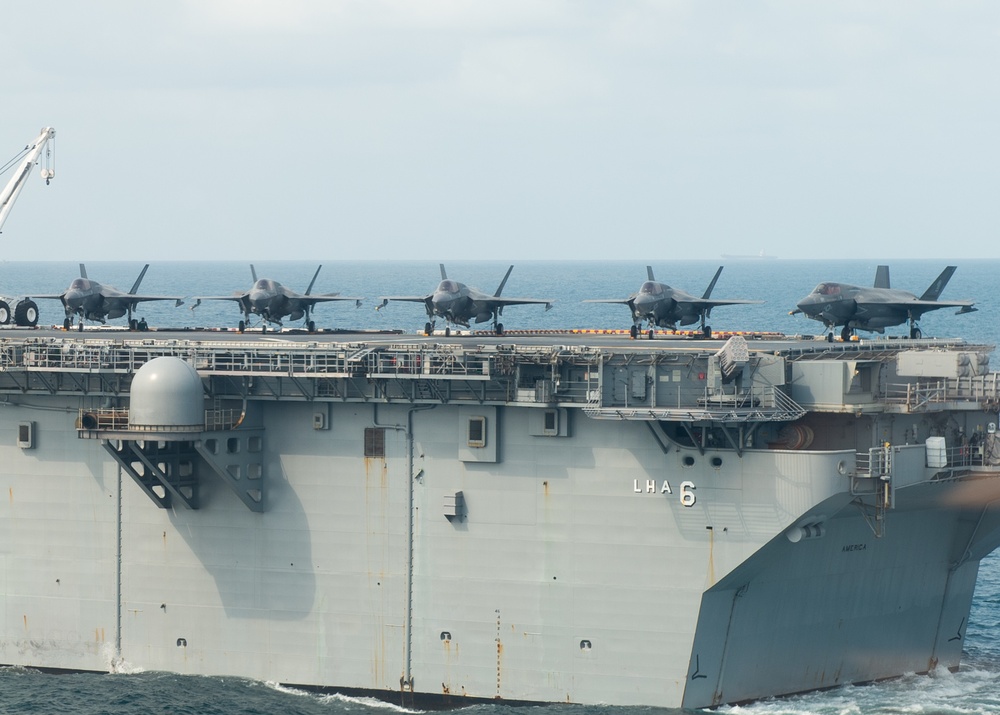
554,553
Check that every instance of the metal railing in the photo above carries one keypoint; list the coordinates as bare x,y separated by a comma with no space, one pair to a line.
924,395
876,462
117,420
761,403
310,359
974,454
481,372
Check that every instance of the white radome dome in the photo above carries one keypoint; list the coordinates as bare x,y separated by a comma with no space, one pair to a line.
167,392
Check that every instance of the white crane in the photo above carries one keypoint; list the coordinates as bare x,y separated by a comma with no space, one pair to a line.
20,177
26,312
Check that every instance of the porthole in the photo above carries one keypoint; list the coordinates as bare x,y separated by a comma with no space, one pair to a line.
716,462
688,461
585,645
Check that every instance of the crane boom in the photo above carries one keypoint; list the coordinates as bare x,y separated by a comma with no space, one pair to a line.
17,181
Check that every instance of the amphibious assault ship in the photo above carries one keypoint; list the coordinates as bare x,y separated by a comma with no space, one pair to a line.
562,518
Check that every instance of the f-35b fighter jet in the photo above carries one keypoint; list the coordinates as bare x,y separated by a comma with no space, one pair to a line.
659,305
877,308
460,304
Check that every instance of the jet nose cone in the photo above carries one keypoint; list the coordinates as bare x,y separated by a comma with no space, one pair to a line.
73,298
443,301
644,303
807,305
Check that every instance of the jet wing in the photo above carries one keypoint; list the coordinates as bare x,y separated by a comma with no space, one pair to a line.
383,299
178,299
713,303
617,301
919,307
498,301
112,293
236,297
326,298
54,296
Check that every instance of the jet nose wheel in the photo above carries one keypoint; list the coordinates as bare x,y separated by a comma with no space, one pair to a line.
428,329
499,328
311,326
242,326
634,332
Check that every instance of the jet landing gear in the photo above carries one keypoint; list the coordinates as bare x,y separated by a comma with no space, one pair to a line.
429,329
915,333
70,320
846,333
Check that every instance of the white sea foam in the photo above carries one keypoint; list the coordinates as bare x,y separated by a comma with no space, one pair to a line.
368,703
116,664
969,692
286,689
346,701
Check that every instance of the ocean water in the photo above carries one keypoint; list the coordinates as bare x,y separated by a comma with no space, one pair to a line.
780,283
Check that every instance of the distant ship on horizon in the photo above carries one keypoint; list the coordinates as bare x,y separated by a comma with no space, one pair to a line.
748,256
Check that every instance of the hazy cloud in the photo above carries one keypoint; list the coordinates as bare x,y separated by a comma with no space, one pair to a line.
438,129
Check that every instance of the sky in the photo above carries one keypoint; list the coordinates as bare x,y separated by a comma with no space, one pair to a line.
514,130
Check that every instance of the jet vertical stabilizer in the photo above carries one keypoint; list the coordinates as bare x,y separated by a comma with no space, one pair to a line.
711,286
934,289
503,282
142,274
313,281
